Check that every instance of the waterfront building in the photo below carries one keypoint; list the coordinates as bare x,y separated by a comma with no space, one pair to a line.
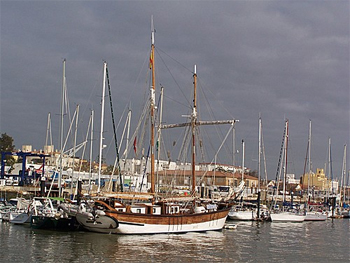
319,182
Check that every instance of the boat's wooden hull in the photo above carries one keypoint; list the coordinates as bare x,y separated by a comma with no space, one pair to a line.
134,223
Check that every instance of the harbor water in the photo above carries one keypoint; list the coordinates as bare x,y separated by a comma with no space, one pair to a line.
327,241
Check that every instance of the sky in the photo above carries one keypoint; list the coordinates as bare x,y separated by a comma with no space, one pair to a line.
277,59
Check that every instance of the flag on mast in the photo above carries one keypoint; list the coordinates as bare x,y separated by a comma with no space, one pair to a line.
151,60
135,145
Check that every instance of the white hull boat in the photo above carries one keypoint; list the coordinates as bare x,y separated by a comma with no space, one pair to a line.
174,224
287,217
248,215
315,216
136,220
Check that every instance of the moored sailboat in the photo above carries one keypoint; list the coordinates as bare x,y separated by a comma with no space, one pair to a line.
242,215
242,212
172,215
285,216
47,215
311,215
315,216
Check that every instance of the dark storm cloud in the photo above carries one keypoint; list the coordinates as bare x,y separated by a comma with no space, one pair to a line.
283,59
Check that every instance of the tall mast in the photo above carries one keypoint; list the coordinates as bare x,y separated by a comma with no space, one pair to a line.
75,144
243,149
61,127
48,130
159,132
280,160
259,168
330,176
309,163
152,97
101,129
128,131
343,175
114,132
194,122
91,140
233,148
285,159
193,127
259,154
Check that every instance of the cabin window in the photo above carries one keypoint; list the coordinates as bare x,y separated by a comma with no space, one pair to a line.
120,210
138,210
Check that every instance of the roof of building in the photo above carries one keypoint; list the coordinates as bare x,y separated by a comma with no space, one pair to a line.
222,174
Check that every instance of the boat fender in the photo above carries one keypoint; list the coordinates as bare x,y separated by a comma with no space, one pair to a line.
199,209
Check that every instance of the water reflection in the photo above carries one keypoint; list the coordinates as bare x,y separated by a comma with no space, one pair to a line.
205,246
250,242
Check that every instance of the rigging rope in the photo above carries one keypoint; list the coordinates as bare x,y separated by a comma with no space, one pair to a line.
144,170
177,84
114,130
212,115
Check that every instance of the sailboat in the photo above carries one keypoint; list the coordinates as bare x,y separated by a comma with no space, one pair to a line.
168,215
285,216
242,212
47,214
251,212
310,214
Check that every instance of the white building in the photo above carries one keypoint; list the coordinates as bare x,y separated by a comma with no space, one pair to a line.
290,179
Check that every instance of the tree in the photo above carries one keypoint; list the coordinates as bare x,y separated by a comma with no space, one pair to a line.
6,145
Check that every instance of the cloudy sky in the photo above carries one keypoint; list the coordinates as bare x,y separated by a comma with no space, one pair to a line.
280,59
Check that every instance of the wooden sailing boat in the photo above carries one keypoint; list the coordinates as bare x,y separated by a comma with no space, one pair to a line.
169,216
